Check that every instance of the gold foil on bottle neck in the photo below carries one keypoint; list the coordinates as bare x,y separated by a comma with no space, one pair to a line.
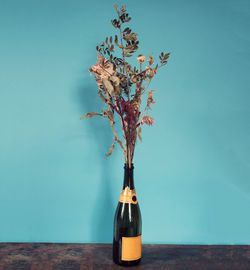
128,196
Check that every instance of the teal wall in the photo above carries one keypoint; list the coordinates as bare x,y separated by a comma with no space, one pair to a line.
192,171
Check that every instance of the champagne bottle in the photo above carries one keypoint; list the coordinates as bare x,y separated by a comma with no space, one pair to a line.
127,224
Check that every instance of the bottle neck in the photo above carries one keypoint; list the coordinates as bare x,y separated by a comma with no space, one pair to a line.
128,176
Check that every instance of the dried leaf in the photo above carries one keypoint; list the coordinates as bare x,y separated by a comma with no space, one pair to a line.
116,137
130,46
131,36
108,86
91,114
128,50
150,99
115,80
102,97
111,148
139,133
127,55
166,56
151,60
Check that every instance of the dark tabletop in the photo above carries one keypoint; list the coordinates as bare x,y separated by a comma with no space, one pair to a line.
43,256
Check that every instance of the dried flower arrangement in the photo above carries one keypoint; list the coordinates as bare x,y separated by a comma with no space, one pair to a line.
121,86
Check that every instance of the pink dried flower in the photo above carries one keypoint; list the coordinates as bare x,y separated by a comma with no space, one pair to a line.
150,72
102,72
141,59
148,120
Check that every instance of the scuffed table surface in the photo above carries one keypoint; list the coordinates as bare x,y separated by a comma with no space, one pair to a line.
43,256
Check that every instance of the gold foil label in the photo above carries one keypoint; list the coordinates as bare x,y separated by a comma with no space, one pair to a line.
128,196
131,248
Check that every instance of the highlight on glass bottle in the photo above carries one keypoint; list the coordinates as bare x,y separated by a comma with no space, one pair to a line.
127,223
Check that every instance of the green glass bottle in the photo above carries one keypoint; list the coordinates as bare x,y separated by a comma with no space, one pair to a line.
127,224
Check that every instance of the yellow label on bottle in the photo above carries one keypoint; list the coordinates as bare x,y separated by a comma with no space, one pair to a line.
131,248
128,196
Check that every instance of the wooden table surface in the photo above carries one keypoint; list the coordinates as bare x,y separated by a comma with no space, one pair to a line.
43,256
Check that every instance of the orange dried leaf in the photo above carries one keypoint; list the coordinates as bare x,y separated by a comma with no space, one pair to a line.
139,134
91,114
111,148
102,97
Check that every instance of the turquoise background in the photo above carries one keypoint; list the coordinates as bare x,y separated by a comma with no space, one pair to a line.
192,171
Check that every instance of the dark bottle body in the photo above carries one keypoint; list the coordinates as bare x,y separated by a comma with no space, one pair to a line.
127,224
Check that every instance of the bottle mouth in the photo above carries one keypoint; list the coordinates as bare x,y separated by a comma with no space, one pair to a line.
126,166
